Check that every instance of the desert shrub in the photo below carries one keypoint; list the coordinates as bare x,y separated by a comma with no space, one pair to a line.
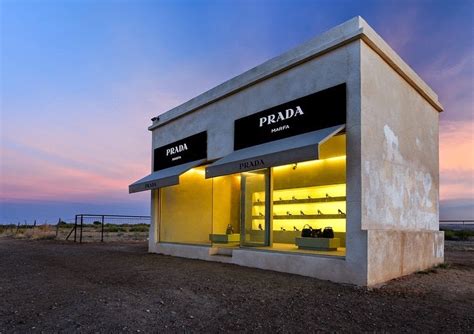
464,234
449,235
458,235
115,228
63,224
96,223
443,265
139,228
39,235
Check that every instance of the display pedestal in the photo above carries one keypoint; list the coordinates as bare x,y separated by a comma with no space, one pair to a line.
224,238
321,244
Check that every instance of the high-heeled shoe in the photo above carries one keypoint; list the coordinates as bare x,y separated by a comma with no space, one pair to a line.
340,212
295,229
319,212
260,227
288,213
301,211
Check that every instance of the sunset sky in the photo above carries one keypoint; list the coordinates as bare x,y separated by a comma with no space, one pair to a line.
80,81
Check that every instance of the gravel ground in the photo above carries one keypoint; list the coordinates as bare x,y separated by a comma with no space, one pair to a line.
50,286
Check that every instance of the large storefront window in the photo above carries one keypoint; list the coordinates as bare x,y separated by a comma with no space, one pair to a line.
233,210
312,196
186,209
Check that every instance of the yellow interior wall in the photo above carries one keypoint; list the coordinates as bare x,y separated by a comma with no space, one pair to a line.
226,203
317,178
186,209
197,206
333,147
254,189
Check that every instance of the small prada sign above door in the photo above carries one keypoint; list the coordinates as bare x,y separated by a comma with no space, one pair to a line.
182,151
310,113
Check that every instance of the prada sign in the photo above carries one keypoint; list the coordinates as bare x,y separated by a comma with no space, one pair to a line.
252,164
182,151
310,113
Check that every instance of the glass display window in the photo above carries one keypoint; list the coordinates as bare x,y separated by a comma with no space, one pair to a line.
186,209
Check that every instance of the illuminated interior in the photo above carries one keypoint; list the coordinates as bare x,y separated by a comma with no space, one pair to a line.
308,194
211,211
186,209
226,210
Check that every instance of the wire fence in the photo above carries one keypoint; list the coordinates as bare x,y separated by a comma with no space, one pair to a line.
105,227
456,224
84,227
87,226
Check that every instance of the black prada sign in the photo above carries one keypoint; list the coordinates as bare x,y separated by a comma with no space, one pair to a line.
310,113
252,164
185,150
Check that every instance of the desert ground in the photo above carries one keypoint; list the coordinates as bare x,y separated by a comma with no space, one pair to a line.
56,286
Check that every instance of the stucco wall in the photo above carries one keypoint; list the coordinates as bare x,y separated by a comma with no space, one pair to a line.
399,176
399,151
397,253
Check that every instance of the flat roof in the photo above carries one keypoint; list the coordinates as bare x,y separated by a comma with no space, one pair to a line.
349,31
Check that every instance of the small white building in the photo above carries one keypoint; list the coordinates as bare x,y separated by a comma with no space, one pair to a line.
321,162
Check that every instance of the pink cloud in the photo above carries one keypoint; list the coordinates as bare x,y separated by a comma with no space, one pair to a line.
457,160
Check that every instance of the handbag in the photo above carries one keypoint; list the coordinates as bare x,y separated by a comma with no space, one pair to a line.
317,233
307,231
328,232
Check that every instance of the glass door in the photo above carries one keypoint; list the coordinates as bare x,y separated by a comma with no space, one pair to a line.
255,207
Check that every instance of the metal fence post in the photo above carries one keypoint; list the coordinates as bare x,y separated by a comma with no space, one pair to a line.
80,236
102,232
75,228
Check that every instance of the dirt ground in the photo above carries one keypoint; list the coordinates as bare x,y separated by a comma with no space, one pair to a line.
50,286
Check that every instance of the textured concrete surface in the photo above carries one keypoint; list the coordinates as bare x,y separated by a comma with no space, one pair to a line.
400,172
398,253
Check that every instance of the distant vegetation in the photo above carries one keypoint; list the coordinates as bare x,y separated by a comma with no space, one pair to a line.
462,235
91,231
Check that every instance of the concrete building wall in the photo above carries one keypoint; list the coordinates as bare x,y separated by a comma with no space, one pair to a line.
400,174
392,152
330,69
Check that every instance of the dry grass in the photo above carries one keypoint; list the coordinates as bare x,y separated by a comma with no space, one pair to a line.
90,232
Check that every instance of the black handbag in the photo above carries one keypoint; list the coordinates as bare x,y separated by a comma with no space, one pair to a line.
328,232
307,231
317,233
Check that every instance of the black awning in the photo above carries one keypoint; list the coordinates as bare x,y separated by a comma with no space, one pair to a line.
276,153
163,178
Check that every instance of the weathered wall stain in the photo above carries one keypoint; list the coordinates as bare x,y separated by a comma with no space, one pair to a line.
402,190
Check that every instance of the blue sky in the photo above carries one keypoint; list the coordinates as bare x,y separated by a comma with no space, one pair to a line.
80,81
